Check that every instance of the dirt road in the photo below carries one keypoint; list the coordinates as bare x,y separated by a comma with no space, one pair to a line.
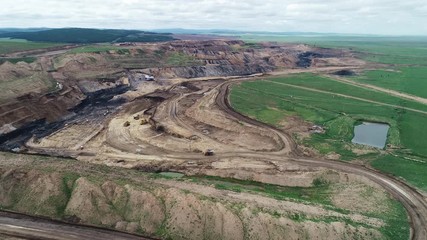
347,96
380,89
181,117
21,226
414,202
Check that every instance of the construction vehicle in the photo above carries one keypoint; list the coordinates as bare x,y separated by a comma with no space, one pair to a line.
209,152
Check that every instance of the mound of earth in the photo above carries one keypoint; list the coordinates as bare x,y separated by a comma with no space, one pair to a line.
135,202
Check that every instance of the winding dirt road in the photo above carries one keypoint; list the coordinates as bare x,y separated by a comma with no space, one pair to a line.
21,226
413,201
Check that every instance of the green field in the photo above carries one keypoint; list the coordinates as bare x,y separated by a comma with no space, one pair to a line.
271,101
414,170
94,49
392,50
16,60
15,45
181,60
411,80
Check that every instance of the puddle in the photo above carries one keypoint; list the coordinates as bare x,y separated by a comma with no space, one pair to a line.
172,174
371,134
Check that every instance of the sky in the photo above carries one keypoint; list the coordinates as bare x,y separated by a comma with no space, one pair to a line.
389,17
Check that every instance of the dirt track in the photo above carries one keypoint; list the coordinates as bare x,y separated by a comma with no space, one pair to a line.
21,226
413,201
203,118
380,89
351,97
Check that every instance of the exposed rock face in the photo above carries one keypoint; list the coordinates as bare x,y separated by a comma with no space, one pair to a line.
190,216
43,195
89,203
64,81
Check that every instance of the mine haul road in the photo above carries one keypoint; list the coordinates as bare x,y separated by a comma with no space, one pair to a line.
413,201
21,226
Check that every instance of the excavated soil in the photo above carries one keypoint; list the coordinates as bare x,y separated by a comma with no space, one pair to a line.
133,202
182,122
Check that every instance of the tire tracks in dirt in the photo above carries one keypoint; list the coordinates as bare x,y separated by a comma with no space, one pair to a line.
347,96
379,89
413,201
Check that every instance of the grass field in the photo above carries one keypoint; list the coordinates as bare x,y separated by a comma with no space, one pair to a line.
413,170
271,101
411,80
14,45
181,60
95,49
16,60
392,50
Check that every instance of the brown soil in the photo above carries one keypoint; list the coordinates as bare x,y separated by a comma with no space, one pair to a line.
131,201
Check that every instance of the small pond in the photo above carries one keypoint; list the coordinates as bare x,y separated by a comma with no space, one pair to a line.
172,174
371,134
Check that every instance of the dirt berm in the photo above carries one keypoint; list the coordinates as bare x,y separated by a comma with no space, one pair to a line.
136,202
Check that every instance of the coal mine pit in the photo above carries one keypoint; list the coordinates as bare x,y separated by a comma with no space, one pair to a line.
94,109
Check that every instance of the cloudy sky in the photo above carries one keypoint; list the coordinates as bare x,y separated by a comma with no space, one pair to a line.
396,17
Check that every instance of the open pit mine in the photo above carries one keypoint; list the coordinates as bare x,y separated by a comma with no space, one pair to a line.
117,122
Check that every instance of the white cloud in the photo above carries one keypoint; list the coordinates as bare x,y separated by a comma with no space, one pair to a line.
355,16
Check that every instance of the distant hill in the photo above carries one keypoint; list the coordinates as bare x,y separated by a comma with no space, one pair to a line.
236,32
87,35
9,30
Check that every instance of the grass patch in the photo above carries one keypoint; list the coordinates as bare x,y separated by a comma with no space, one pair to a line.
95,49
171,175
414,171
312,81
15,45
271,101
181,59
16,60
411,80
397,226
319,194
15,87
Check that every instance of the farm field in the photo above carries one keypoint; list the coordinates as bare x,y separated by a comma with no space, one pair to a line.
411,80
16,45
322,100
